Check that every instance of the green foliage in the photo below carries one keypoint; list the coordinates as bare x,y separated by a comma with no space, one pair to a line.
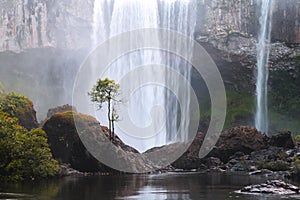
14,104
104,91
24,154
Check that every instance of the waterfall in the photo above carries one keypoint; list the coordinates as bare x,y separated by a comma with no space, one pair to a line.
263,52
113,17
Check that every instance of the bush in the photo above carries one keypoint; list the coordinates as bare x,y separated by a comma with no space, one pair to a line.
24,154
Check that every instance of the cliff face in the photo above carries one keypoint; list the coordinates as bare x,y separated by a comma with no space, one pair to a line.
242,16
26,24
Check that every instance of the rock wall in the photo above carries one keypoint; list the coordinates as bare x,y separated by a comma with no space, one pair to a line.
26,24
224,17
218,17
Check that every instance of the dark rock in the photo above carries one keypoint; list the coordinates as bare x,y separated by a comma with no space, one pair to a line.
213,162
190,159
240,149
240,139
272,187
232,143
62,108
66,170
283,139
66,145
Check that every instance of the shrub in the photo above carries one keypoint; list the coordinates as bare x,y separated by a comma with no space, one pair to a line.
24,154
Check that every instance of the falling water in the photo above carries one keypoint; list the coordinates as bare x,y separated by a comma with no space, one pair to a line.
112,17
263,52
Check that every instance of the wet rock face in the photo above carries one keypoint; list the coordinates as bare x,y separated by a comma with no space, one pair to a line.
26,24
286,21
272,187
238,16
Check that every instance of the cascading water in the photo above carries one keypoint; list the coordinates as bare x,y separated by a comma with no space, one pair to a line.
263,52
113,17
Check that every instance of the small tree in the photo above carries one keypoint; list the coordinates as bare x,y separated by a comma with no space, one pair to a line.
106,91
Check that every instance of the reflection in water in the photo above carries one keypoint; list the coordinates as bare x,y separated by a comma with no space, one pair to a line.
146,187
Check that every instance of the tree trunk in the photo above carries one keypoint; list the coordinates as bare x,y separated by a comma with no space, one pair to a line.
113,129
109,121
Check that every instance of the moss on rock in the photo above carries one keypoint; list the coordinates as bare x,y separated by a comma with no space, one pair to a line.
21,107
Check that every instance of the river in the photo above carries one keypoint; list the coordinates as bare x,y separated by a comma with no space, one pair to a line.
211,186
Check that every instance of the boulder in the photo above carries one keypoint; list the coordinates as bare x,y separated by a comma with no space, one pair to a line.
190,159
62,108
277,187
241,139
68,147
283,139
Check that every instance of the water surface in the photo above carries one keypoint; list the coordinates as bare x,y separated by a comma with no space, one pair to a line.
146,187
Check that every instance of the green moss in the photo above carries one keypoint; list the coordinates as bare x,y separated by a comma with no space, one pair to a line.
282,155
240,106
274,165
285,94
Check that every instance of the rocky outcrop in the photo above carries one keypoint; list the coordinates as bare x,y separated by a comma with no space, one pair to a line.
62,108
277,187
21,107
233,144
68,147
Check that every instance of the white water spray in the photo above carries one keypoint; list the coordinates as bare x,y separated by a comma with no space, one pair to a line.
263,52
112,17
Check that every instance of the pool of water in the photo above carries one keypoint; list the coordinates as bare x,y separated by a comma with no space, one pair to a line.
145,187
